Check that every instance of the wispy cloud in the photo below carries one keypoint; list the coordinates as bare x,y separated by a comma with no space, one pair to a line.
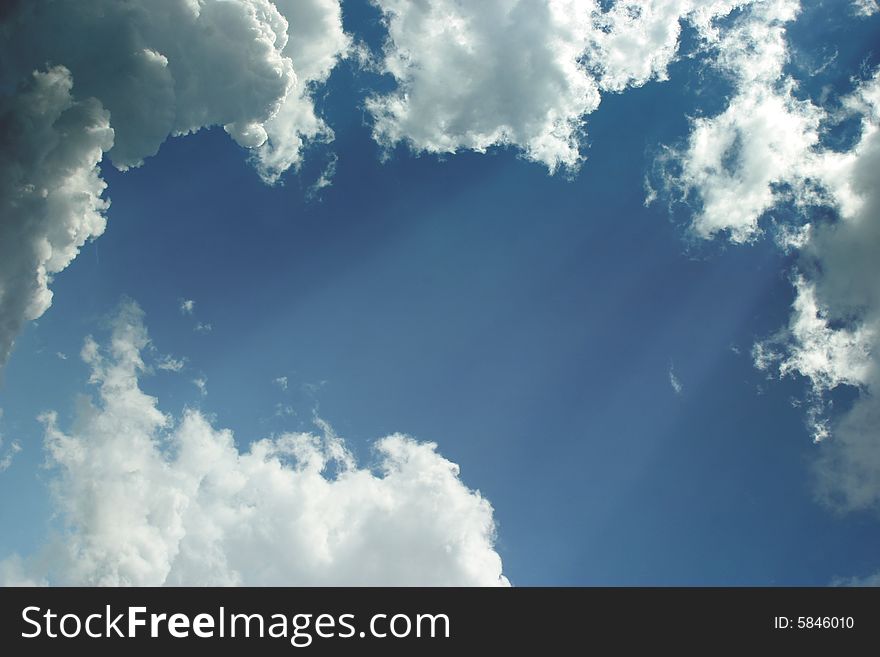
202,384
674,381
6,455
170,364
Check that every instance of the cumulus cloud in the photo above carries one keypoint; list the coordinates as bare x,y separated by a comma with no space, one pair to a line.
840,309
316,43
478,74
173,67
763,150
50,191
187,306
634,42
120,79
150,499
833,335
281,382
739,164
472,75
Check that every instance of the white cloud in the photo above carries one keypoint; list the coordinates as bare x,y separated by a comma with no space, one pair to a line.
281,382
634,42
472,75
765,149
50,191
741,163
14,572
283,410
169,363
869,580
9,453
833,337
677,387
120,79
316,43
202,384
844,347
477,74
188,308
174,67
866,7
829,357
148,499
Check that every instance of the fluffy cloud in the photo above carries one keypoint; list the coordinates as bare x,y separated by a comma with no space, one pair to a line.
763,150
120,79
172,67
866,7
50,191
316,42
476,74
842,306
739,164
472,75
147,499
634,42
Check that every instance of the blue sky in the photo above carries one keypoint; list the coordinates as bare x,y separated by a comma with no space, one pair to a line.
529,324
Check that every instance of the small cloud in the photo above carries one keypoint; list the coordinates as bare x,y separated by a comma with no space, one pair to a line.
281,382
284,410
201,327
170,364
650,193
312,388
8,454
677,387
202,384
866,7
61,355
187,306
364,58
870,580
735,349
325,180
